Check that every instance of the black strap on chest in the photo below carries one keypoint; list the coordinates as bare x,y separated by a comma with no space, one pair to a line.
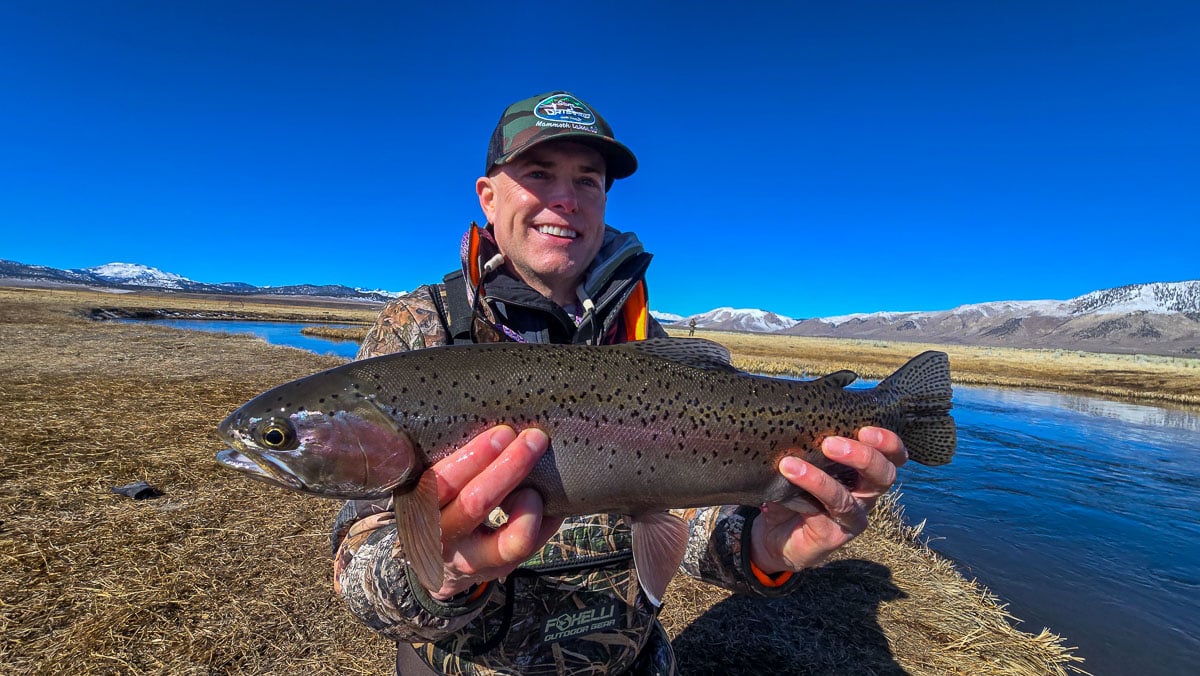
455,308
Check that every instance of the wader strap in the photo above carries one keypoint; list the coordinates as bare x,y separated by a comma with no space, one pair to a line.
457,310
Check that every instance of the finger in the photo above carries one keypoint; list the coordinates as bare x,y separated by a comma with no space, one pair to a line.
794,542
455,471
487,554
839,504
488,488
886,442
523,533
876,473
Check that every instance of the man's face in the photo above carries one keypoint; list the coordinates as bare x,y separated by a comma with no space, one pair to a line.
547,209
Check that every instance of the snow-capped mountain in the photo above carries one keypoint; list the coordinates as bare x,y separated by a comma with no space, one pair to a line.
1158,318
137,275
133,276
1159,298
665,317
733,319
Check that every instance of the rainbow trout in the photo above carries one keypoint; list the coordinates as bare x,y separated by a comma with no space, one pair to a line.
634,429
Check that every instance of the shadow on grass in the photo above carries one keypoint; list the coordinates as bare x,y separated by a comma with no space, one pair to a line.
828,626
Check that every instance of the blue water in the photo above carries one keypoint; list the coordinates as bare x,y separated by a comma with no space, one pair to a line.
278,333
1082,514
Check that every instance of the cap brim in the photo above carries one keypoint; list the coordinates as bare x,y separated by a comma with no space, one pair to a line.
619,161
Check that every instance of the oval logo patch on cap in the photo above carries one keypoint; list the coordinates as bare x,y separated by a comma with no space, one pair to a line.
564,108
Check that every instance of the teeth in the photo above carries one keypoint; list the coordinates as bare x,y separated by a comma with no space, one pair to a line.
557,232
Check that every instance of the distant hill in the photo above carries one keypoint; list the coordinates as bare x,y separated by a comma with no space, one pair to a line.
731,319
132,276
1161,318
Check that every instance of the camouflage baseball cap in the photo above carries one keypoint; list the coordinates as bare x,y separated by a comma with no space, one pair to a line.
557,115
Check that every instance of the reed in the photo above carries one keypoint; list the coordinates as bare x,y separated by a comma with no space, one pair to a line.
335,333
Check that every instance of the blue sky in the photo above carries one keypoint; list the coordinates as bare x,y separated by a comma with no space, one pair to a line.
809,158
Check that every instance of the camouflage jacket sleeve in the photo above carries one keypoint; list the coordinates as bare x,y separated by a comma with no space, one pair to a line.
411,322
718,552
378,587
374,584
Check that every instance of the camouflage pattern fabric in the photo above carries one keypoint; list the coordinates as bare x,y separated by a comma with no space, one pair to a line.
410,322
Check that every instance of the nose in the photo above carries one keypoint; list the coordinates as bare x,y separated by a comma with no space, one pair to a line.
563,196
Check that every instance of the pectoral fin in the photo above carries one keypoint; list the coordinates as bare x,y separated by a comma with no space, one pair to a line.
659,542
419,532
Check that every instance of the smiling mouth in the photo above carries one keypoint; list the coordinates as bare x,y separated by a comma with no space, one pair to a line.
557,231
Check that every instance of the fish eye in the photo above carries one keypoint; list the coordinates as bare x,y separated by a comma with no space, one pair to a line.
278,435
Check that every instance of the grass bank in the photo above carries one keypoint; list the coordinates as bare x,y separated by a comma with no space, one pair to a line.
225,575
1149,379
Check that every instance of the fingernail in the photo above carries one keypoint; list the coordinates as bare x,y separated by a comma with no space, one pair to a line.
836,446
536,440
501,438
792,467
871,436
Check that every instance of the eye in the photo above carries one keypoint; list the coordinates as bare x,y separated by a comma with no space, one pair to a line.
278,435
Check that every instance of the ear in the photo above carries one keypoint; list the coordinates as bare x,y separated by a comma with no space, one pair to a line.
486,189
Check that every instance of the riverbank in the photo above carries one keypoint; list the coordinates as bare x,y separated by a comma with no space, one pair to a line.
1135,378
227,575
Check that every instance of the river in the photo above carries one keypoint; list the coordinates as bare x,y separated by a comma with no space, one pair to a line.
1080,513
278,333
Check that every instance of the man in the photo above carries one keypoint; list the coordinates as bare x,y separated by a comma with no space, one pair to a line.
524,593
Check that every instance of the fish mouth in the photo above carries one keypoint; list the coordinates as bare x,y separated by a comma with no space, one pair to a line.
238,462
245,457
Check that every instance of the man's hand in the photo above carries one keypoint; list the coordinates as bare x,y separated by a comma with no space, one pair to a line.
472,482
782,539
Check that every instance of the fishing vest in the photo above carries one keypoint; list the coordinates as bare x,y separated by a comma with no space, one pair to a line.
494,306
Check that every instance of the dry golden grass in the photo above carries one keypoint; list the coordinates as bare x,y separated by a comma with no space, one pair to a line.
259,308
225,575
335,333
884,604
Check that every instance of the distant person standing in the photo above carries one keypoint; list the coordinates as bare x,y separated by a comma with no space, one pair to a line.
692,326
531,594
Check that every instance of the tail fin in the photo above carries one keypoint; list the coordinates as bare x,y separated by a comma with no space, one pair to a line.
926,427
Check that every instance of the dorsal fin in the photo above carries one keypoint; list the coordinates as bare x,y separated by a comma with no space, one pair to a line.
839,379
695,352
